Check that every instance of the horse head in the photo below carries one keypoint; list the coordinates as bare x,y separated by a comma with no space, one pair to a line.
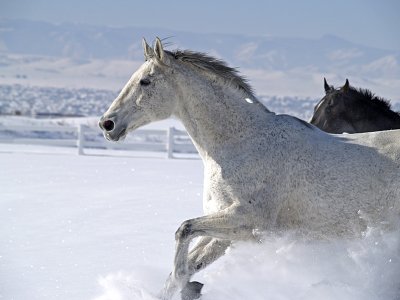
330,113
351,110
148,96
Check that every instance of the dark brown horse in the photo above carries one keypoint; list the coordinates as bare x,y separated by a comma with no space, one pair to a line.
352,110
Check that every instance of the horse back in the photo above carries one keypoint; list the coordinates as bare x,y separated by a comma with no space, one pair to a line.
387,142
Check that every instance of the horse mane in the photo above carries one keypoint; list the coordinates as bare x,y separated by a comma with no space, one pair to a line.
214,65
368,96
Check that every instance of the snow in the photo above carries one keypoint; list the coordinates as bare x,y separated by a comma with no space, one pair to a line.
102,228
67,220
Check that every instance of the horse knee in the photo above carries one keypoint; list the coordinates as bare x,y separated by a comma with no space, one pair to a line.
184,231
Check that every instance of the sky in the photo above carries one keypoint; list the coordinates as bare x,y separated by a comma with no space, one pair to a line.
367,22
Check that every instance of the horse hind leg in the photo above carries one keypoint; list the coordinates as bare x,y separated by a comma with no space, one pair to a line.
206,251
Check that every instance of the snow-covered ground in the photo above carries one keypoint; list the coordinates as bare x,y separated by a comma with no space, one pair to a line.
102,228
66,221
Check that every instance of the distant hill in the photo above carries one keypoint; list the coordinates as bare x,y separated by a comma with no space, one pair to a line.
86,42
30,50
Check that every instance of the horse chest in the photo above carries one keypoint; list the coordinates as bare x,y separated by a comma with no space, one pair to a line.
217,193
223,188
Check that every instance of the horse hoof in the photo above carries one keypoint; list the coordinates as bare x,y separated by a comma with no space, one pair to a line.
192,290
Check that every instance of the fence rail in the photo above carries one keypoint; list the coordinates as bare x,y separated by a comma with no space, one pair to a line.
171,141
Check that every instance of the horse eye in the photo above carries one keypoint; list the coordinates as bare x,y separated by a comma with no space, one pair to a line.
144,81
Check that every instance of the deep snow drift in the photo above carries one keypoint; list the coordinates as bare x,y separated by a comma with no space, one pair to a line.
102,228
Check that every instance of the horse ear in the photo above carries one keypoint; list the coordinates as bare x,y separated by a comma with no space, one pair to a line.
158,49
346,86
326,86
148,52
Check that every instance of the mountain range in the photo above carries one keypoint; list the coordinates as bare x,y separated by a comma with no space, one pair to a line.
63,54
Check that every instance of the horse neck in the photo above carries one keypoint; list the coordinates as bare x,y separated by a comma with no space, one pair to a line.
383,119
388,121
215,113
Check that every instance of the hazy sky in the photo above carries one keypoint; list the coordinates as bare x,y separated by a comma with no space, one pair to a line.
372,23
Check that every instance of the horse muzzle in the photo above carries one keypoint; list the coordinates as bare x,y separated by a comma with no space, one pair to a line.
111,131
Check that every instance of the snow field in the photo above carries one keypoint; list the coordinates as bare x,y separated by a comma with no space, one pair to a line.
102,228
67,220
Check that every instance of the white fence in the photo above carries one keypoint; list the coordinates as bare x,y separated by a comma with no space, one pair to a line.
170,141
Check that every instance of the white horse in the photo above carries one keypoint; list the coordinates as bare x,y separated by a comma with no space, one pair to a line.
262,171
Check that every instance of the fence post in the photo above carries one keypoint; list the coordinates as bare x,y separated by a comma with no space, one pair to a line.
81,139
170,142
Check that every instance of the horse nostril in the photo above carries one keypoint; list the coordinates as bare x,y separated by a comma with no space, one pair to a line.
108,125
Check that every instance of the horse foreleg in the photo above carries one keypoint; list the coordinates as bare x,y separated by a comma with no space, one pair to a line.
228,224
205,251
179,276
